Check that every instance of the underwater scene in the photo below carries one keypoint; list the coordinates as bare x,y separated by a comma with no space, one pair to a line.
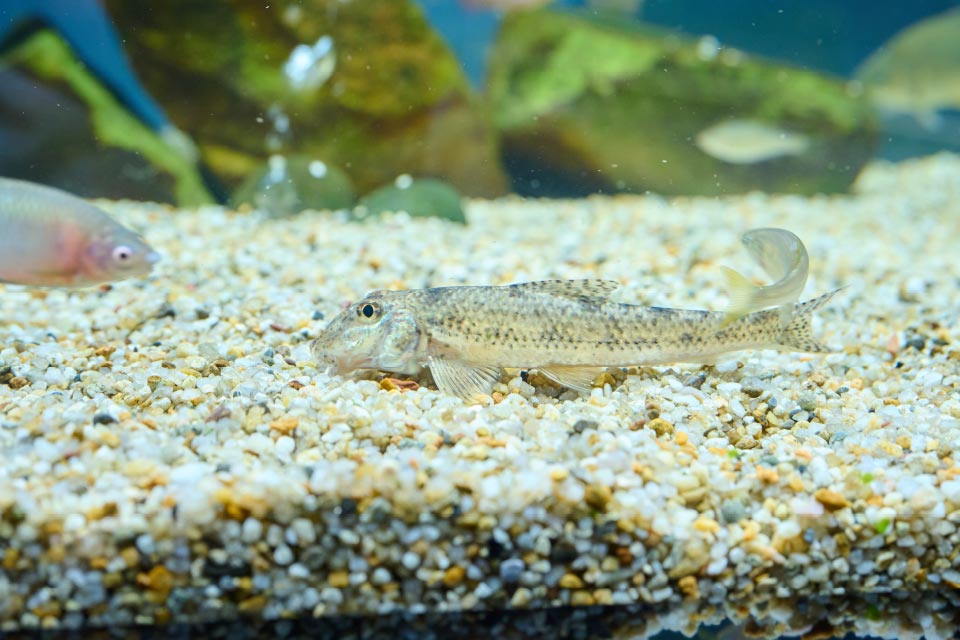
432,319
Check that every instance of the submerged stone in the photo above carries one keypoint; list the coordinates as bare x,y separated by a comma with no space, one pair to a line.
585,105
420,197
367,86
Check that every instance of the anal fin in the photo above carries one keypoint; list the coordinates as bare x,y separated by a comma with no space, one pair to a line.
467,381
575,377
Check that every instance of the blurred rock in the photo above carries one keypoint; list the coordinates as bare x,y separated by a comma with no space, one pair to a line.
61,127
367,86
588,106
417,196
288,185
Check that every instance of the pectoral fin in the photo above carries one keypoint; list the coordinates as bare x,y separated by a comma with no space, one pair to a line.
578,378
741,293
463,379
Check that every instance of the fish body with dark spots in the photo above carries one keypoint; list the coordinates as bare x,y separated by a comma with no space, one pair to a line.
568,330
50,238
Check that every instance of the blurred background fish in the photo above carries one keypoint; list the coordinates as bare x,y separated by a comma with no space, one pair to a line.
748,141
50,238
917,72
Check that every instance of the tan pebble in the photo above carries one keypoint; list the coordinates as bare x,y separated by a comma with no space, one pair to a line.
17,382
609,564
53,527
689,587
453,576
99,563
831,500
112,580
660,426
681,438
598,496
130,556
603,596
158,580
252,605
49,609
285,424
559,474
582,599
604,379
571,581
338,579
105,351
904,441
750,530
747,442
57,553
162,616
767,475
891,449
706,525
521,597
795,483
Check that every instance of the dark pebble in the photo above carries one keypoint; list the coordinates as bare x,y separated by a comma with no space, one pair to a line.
695,380
104,418
582,425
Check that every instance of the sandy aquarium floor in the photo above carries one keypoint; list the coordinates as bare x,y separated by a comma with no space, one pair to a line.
170,453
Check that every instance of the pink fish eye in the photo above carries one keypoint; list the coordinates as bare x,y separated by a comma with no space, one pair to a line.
122,253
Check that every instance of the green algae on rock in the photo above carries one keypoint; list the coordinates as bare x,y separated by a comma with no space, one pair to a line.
391,98
618,108
94,146
420,197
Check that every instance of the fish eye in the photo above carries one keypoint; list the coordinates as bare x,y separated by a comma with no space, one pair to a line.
368,310
122,253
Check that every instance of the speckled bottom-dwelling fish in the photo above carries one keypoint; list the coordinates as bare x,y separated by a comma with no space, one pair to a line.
567,330
51,238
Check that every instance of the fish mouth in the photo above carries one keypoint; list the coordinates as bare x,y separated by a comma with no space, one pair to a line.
342,365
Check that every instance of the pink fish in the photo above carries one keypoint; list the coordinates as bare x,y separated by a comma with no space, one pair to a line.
504,5
49,238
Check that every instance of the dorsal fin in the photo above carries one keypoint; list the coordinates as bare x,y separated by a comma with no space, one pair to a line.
592,290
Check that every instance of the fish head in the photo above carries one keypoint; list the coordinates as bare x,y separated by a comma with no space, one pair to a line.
117,253
378,332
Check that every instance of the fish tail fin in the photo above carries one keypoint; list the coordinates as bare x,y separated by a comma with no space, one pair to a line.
797,334
741,292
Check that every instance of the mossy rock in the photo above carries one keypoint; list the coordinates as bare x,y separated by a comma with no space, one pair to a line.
72,133
584,105
396,100
420,197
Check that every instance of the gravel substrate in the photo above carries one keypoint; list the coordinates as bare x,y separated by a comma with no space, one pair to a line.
171,454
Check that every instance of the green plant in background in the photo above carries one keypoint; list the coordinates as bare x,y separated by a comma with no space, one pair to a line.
48,58
622,106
